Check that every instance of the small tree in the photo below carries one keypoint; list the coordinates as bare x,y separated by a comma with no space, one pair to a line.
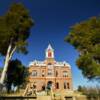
16,74
15,28
91,92
80,88
85,37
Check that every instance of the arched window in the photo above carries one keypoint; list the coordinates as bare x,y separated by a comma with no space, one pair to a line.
57,85
65,74
56,73
68,86
34,73
65,87
49,72
43,73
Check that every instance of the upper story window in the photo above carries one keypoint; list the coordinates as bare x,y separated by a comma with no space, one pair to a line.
34,73
56,73
65,74
43,73
49,72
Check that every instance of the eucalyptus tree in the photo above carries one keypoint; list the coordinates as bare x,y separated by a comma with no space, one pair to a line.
15,27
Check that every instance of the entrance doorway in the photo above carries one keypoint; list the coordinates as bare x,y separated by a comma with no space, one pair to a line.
49,85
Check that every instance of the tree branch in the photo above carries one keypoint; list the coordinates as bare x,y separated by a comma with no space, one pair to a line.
13,50
3,75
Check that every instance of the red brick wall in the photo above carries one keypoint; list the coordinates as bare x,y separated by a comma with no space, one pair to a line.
40,80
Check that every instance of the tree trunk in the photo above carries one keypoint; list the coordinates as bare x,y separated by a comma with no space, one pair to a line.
5,65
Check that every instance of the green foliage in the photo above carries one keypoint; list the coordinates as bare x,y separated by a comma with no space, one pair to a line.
88,66
85,37
80,89
15,28
16,74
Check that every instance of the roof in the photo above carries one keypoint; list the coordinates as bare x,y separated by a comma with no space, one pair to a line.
42,63
49,47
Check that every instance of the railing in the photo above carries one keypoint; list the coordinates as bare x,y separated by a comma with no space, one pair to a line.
17,98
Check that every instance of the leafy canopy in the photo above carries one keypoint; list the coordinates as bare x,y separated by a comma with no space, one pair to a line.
85,37
16,74
15,28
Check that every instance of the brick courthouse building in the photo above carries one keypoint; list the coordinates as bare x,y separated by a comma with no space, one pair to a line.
50,72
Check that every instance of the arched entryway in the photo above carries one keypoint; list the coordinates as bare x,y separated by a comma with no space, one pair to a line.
49,85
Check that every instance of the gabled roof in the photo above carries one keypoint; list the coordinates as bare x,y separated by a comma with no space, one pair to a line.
49,47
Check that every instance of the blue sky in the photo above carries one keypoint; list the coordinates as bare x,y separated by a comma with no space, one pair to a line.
53,19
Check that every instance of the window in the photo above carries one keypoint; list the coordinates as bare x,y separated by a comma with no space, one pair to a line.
34,73
65,85
57,85
49,72
50,69
56,73
43,73
68,86
65,74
